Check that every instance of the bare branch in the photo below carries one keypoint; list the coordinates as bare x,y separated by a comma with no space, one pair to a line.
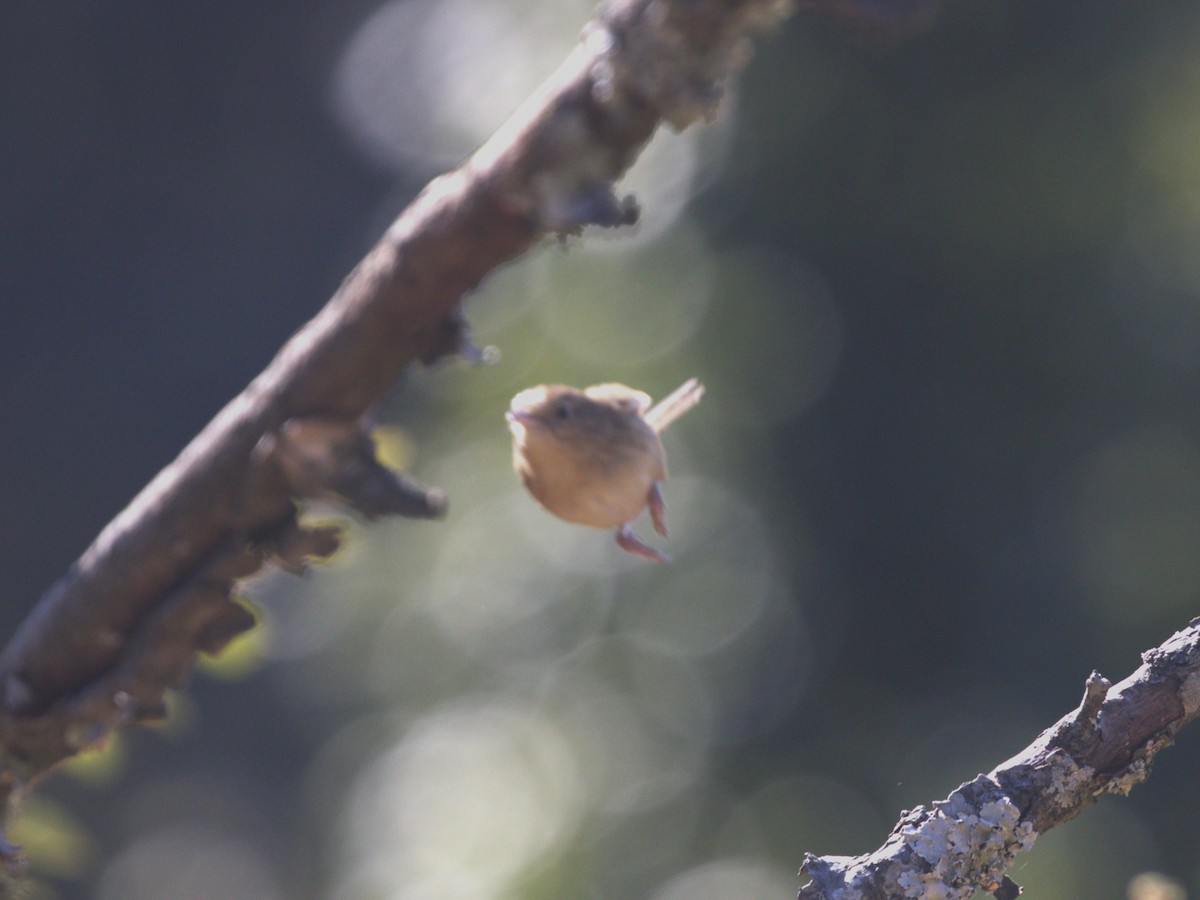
124,623
968,841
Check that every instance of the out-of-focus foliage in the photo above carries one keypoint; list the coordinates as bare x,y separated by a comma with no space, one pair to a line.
945,298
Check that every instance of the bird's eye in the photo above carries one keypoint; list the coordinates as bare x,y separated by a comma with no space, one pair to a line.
563,410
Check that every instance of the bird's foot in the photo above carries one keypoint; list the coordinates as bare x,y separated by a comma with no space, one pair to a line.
658,509
628,541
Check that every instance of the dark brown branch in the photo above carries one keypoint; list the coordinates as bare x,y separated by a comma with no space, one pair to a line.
124,623
101,647
968,841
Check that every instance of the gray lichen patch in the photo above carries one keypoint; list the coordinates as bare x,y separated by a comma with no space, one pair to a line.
966,848
1066,778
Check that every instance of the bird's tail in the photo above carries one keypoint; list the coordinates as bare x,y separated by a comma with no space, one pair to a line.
675,404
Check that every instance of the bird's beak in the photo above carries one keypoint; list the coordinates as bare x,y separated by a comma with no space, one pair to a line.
519,417
518,421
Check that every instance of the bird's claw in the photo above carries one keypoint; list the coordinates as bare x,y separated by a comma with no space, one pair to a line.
628,541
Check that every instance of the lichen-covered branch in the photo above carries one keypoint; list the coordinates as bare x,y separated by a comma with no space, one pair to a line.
968,841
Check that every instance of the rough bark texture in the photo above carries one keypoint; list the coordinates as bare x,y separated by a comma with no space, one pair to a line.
968,841
123,625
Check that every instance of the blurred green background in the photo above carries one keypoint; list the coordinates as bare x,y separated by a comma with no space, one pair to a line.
945,294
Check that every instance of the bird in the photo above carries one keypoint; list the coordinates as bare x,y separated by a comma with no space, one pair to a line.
594,457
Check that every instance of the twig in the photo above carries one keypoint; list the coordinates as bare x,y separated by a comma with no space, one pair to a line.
101,647
968,841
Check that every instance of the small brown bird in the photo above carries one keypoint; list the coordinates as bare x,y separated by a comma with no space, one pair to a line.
594,457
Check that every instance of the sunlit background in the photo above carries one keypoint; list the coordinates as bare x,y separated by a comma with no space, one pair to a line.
944,294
